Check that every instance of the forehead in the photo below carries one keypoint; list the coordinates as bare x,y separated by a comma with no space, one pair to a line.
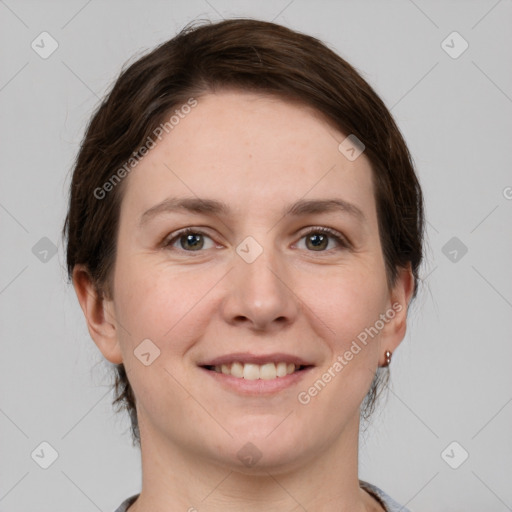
249,149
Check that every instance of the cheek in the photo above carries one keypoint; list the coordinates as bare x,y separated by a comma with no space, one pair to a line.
168,309
350,301
350,306
163,306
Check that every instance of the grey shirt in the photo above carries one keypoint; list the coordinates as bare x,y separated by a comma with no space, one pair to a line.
389,504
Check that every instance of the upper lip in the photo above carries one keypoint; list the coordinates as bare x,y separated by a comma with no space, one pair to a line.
255,359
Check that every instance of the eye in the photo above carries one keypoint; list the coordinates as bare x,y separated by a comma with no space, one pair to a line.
194,240
317,239
190,240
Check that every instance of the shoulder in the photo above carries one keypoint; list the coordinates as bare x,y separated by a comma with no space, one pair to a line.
387,502
126,503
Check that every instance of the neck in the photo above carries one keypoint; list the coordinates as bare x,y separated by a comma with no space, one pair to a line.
327,481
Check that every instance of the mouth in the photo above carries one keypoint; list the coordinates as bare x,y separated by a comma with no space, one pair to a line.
252,371
256,375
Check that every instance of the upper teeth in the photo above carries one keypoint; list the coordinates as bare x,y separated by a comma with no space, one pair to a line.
252,371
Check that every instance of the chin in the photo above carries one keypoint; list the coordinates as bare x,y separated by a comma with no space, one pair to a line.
256,461
261,448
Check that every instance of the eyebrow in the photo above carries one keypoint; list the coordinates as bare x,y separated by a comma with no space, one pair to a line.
214,207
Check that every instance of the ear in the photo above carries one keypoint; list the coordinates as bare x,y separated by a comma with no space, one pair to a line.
99,314
400,296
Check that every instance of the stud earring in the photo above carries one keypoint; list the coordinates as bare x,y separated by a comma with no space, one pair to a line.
388,358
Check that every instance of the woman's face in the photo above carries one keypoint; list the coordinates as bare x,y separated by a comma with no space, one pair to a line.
248,284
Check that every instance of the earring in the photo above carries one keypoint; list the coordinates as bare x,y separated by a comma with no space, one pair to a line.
388,358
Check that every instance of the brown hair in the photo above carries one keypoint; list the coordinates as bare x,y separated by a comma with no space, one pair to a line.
250,55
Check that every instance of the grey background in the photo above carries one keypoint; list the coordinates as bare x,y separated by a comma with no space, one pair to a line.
451,378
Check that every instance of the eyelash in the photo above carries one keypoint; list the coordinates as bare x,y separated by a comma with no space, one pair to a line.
338,237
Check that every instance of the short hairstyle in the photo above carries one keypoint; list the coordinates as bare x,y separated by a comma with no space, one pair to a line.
245,55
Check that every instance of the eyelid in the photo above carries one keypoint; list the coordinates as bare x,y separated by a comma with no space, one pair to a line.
341,239
173,237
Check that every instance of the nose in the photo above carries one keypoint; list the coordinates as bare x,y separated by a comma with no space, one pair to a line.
260,294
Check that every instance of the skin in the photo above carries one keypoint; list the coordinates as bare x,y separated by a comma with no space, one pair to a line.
258,154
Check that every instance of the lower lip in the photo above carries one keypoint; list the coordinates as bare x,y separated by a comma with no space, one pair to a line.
258,386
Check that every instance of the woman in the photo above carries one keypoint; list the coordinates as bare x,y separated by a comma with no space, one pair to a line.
244,235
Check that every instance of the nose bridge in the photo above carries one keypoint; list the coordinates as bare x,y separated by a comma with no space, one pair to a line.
259,292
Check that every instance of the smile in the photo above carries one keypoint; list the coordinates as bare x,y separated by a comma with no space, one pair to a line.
256,374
